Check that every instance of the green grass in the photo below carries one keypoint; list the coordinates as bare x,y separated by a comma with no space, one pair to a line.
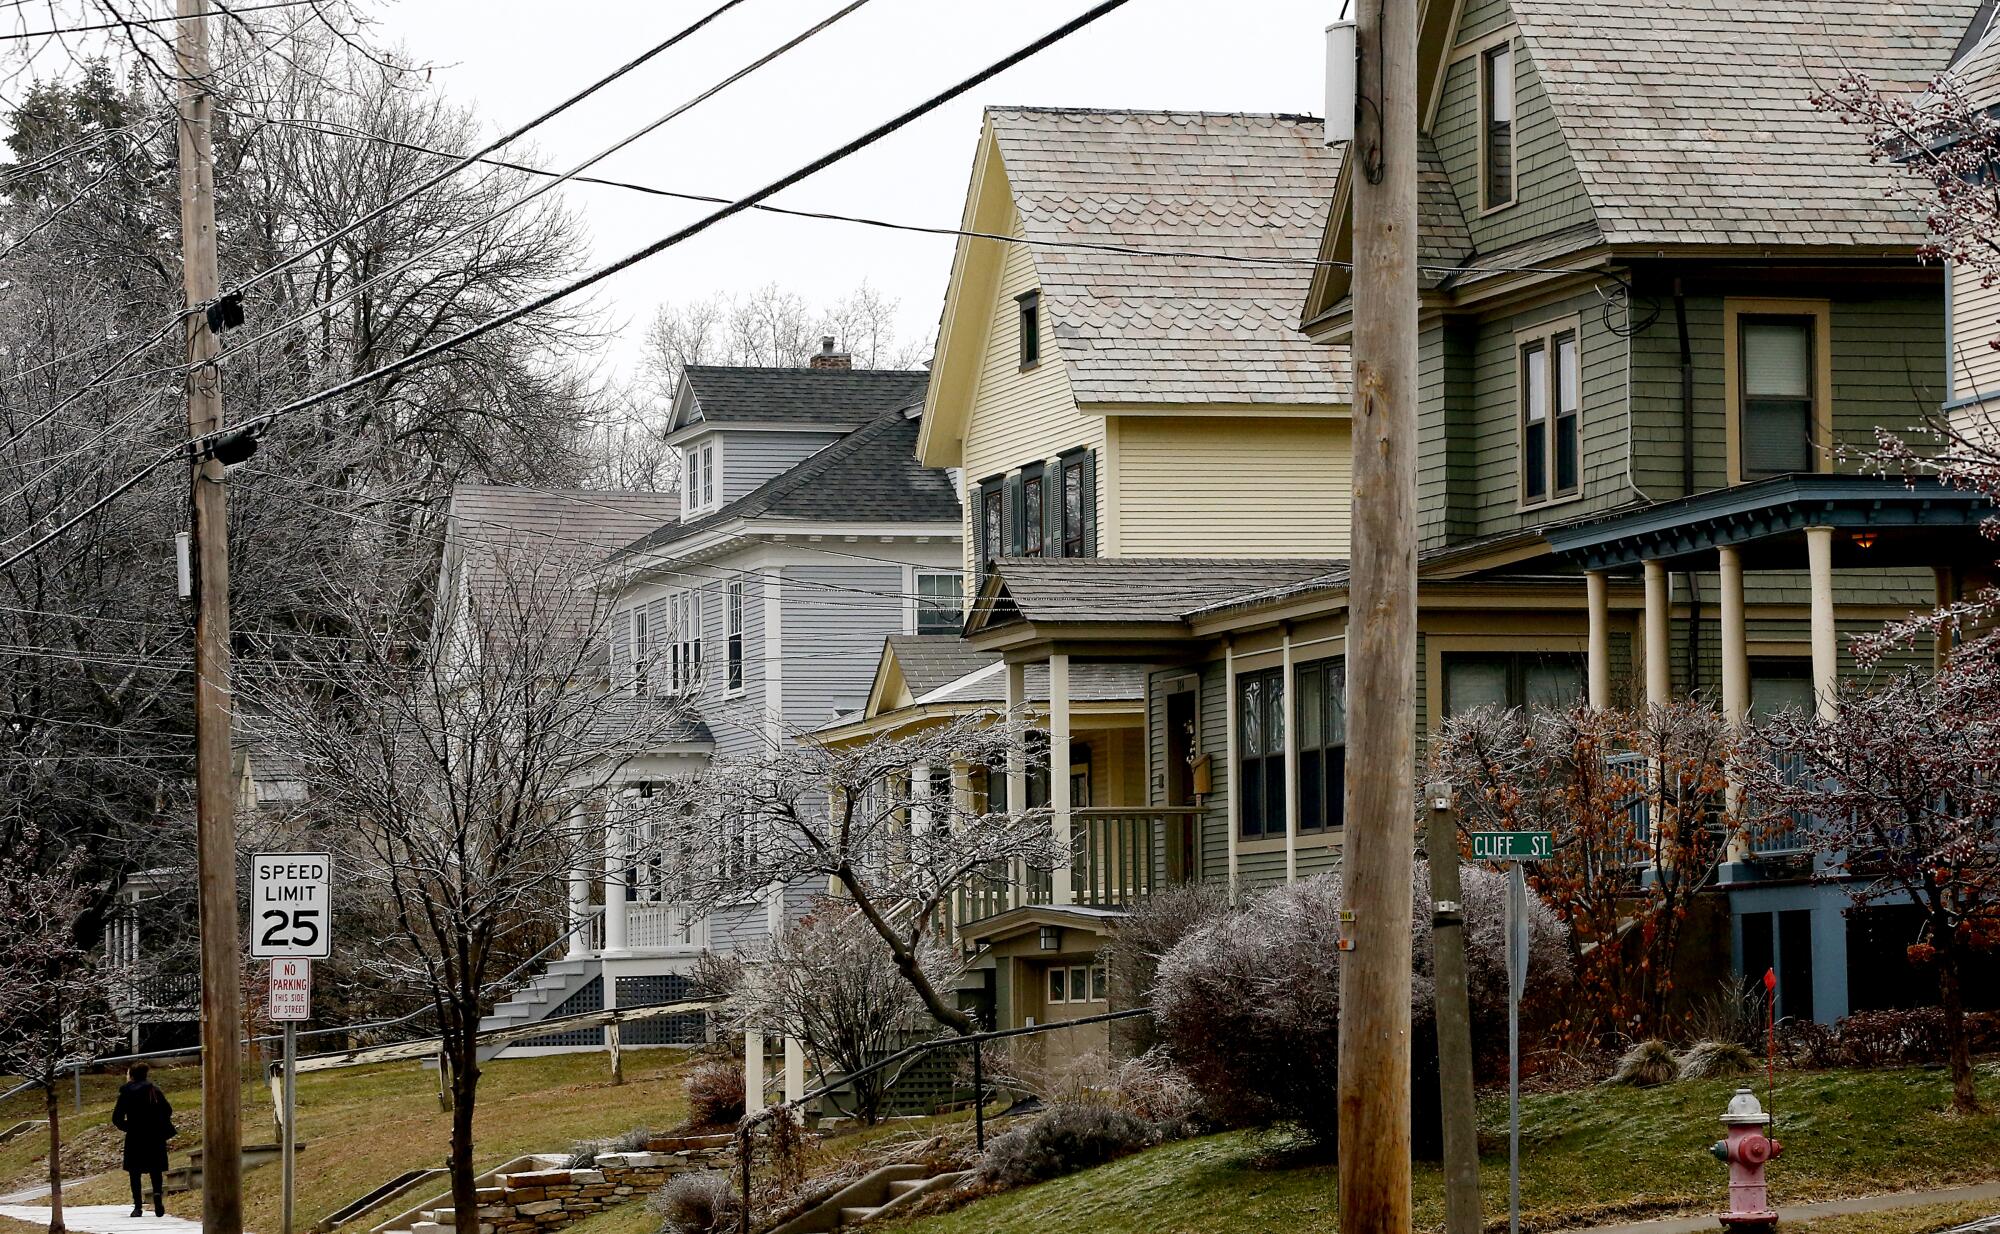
1594,1156
1922,1219
364,1125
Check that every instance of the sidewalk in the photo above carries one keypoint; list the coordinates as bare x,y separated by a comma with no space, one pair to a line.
1806,1212
103,1219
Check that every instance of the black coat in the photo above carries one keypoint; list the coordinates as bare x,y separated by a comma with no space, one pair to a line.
147,1120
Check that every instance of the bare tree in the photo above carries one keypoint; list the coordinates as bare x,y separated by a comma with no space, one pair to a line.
773,327
462,783
53,1016
1899,786
878,821
828,983
1624,794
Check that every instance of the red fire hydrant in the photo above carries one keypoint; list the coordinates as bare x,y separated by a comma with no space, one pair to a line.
1745,1148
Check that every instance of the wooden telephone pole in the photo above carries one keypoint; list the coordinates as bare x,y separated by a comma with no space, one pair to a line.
215,818
1381,633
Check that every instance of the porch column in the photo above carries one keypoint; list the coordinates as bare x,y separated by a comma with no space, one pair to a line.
1062,890
1597,588
753,1070
795,1069
614,879
1235,794
1659,635
1735,671
1825,633
1017,765
579,909
1947,593
920,798
1288,711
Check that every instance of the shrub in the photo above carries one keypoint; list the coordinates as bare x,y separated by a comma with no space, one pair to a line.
1152,929
1706,1060
1150,1088
714,1091
1646,1065
1734,1012
1248,1004
1066,1139
698,1203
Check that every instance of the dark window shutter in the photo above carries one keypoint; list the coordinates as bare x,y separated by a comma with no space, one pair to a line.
1052,508
1090,504
1016,531
978,496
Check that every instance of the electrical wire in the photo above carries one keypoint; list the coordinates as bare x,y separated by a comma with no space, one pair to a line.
128,22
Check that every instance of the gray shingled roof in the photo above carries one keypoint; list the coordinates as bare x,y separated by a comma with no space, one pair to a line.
1089,682
1146,590
622,724
1977,73
1144,329
803,396
870,475
1443,239
488,522
932,660
1691,121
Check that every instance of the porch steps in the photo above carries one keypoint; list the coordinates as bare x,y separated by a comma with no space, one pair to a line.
534,1001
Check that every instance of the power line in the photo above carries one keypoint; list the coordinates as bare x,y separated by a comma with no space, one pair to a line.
543,301
128,22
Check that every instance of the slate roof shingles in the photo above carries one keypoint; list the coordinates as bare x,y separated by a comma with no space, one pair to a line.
1152,590
1143,328
1692,121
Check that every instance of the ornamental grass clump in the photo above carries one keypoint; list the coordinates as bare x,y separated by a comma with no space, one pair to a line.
698,1203
1065,1140
1646,1065
1706,1060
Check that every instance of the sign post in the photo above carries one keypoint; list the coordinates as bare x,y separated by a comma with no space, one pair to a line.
1514,847
291,925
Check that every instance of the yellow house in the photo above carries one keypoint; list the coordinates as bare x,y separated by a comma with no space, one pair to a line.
1118,370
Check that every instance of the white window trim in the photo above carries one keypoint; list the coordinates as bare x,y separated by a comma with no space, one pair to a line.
701,485
685,610
912,589
736,593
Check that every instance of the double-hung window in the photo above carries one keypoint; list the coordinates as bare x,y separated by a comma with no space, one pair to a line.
1260,753
1496,127
1076,471
1034,512
1551,425
733,632
992,522
1777,405
642,651
686,610
699,485
1321,716
940,601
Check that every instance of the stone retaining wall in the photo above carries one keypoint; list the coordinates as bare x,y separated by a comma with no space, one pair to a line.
541,1200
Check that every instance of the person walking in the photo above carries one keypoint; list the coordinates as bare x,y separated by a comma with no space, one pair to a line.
147,1119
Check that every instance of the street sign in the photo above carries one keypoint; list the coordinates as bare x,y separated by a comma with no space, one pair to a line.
291,991
1512,845
291,906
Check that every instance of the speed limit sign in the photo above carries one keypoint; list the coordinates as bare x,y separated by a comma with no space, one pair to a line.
291,906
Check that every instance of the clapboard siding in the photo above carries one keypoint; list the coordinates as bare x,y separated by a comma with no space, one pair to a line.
1548,193
1480,18
1216,486
1975,325
1019,415
749,459
835,617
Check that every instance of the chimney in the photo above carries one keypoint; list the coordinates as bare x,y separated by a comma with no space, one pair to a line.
828,357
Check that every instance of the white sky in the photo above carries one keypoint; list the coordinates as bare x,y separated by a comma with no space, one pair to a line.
512,58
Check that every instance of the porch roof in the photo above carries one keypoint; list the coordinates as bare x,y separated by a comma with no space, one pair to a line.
1890,520
1156,592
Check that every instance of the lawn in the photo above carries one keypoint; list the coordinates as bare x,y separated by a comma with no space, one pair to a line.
364,1125
1589,1157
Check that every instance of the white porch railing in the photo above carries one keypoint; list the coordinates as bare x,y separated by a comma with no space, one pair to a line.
656,926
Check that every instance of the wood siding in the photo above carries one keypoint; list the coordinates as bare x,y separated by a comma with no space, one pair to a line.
749,459
1236,486
1548,193
1019,415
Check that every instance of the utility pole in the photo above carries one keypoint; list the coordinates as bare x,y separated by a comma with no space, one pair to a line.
215,817
1454,1020
1381,633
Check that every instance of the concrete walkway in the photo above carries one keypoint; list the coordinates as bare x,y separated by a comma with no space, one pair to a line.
103,1219
1705,1224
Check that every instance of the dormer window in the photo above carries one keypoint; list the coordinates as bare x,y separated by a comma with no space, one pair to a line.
1496,127
701,487
1029,307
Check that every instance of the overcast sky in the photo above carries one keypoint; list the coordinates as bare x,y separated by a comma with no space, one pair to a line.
512,58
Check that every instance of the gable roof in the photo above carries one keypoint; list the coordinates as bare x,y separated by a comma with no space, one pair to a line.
928,661
486,522
806,397
870,475
1139,328
1692,121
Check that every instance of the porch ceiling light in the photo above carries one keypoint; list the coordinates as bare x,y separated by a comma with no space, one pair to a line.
1051,938
1864,539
